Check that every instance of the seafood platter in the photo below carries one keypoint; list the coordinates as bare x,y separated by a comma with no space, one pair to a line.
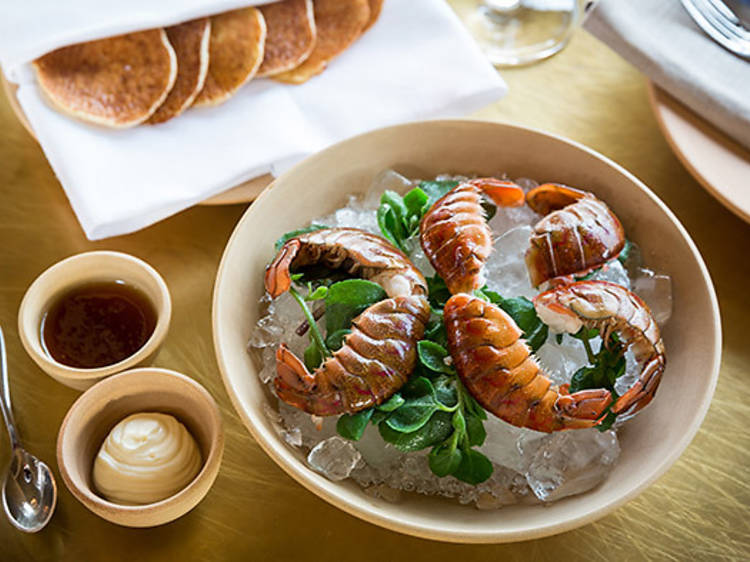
463,331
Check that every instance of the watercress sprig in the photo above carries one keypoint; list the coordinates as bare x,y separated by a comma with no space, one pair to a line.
318,350
344,300
605,367
399,216
433,410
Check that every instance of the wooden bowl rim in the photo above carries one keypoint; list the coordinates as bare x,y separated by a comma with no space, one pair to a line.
63,372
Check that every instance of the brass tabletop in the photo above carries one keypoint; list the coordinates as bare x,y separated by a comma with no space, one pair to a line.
698,510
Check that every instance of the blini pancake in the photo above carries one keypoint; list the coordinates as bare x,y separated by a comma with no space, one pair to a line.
116,82
338,24
235,54
375,7
190,43
291,35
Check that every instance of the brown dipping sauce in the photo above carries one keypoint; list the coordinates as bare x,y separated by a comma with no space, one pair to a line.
97,324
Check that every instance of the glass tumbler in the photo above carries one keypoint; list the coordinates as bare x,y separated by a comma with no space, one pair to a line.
517,32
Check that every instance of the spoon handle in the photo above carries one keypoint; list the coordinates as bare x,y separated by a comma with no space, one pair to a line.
5,395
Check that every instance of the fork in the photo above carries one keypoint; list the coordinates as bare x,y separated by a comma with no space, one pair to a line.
721,24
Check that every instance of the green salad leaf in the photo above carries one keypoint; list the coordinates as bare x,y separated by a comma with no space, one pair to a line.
289,235
432,410
344,300
313,357
399,216
445,458
433,356
625,252
605,367
474,467
394,402
435,189
438,292
347,299
352,426
435,410
335,340
437,430
435,330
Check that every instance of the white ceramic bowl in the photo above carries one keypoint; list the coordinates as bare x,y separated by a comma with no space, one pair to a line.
650,443
87,268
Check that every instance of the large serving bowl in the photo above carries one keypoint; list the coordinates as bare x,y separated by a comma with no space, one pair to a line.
650,443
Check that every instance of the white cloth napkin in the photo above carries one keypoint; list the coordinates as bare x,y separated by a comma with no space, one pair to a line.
663,41
417,62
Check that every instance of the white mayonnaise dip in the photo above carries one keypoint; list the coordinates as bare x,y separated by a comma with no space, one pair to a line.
145,458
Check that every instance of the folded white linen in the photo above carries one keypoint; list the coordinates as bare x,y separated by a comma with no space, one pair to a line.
416,62
663,41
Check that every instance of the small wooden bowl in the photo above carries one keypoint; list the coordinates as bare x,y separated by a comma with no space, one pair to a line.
100,408
86,268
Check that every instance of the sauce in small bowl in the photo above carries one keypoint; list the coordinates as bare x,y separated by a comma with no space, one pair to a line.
93,315
97,324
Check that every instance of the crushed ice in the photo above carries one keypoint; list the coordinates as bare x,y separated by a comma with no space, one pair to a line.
527,464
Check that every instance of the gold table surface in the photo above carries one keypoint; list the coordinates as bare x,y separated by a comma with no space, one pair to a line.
699,510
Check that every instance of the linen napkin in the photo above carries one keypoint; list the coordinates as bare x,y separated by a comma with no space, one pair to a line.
416,62
662,40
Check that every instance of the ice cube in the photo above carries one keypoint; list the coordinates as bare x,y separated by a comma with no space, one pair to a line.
632,372
350,215
385,492
634,260
561,360
347,217
417,257
614,272
452,177
267,333
656,290
571,462
293,437
311,435
526,184
272,414
387,179
505,270
268,370
508,218
501,444
334,458
378,454
487,501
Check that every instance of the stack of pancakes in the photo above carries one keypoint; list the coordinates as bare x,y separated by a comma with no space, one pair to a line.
152,76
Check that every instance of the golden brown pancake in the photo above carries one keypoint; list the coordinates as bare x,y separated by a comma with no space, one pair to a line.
117,82
291,35
375,7
235,53
190,43
338,24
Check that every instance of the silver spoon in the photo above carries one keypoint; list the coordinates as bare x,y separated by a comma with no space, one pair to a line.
29,490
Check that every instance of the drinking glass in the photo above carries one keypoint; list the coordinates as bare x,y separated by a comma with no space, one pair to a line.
517,32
